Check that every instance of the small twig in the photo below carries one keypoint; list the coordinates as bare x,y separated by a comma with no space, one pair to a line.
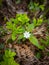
10,4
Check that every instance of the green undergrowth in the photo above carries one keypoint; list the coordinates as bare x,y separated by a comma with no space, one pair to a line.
21,26
8,58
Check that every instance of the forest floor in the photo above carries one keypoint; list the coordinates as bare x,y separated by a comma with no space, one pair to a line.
26,52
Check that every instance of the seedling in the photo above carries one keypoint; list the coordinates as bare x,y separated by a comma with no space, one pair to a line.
21,29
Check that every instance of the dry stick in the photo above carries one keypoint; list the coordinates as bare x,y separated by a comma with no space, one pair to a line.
47,49
11,8
10,4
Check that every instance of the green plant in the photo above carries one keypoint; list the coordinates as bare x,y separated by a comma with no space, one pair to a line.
35,6
38,55
45,42
8,58
37,22
21,29
18,1
17,25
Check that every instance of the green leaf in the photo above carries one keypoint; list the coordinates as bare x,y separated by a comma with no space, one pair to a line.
41,7
38,55
9,53
23,18
34,21
31,6
45,42
39,21
20,37
8,58
30,27
35,42
13,36
9,25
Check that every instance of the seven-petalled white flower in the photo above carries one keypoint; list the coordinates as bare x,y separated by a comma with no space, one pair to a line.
27,34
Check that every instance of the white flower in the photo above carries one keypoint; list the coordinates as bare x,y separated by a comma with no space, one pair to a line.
27,34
